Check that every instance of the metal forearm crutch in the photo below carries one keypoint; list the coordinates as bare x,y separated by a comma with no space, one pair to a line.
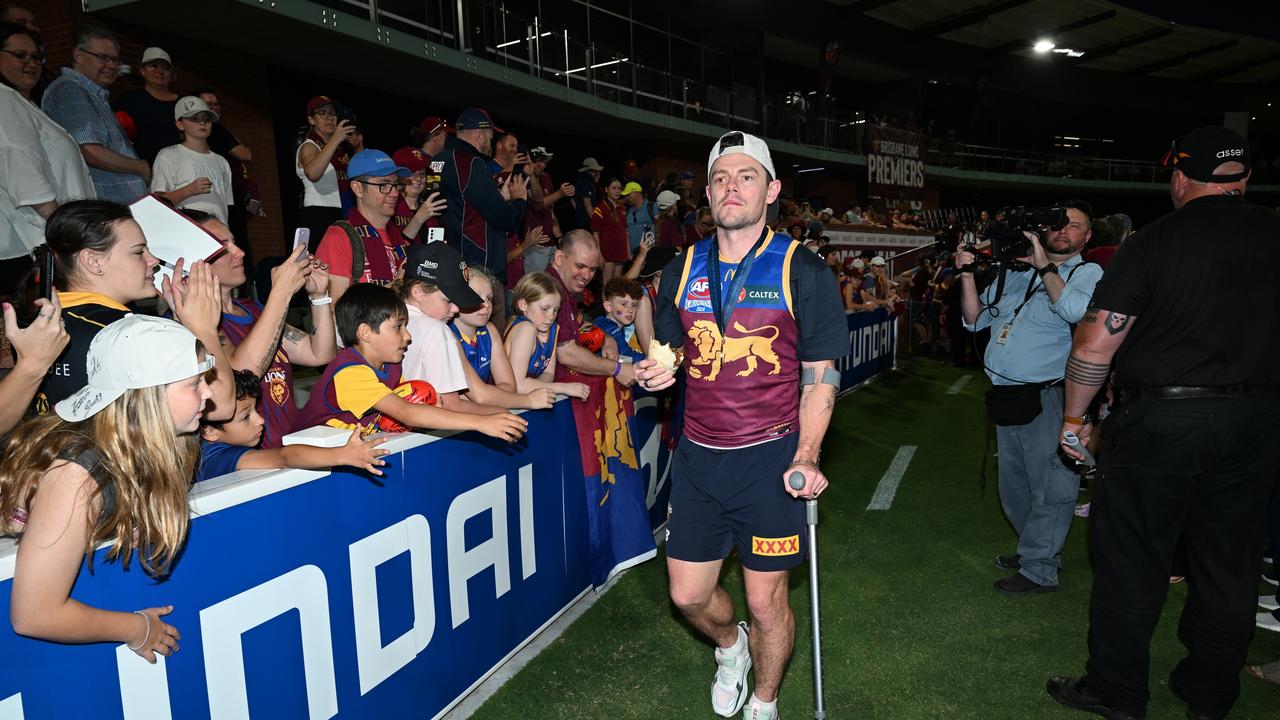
796,480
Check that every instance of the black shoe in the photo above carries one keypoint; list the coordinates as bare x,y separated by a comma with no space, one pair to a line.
1071,692
1009,562
1017,585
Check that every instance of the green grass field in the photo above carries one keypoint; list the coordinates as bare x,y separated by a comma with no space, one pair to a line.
911,625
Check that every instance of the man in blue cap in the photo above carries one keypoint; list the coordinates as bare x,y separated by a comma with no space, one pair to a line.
367,246
480,212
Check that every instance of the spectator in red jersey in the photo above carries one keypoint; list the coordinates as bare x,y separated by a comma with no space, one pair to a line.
573,268
540,211
414,212
609,226
369,231
256,338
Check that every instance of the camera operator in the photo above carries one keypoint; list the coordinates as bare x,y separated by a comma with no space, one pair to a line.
1031,308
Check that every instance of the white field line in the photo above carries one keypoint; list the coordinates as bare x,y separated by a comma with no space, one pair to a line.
888,487
958,385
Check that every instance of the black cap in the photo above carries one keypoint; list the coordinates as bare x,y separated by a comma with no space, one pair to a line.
442,266
1198,153
656,259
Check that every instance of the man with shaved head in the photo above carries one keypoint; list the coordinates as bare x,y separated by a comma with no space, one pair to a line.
1189,310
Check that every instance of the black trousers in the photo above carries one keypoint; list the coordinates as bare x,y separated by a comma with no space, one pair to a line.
1203,470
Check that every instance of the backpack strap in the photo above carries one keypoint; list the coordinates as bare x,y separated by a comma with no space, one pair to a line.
357,250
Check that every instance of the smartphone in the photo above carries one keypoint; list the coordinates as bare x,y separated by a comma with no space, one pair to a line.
435,234
301,236
46,274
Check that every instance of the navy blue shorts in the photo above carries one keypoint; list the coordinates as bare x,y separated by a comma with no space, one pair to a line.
721,499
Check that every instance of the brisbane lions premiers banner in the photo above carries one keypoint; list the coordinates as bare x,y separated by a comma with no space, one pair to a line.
895,164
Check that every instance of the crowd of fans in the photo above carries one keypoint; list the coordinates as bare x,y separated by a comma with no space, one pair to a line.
447,282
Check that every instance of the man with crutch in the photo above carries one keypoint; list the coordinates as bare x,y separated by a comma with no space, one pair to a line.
757,317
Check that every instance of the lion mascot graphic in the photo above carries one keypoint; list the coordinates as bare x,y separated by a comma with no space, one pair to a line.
715,350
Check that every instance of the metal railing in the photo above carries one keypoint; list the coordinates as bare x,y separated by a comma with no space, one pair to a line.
535,45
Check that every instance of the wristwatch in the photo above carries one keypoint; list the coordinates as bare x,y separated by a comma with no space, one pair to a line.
1049,268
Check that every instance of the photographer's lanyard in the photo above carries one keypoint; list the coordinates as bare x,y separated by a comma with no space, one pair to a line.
721,306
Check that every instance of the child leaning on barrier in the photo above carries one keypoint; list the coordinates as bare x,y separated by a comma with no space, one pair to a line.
358,387
113,466
232,445
531,336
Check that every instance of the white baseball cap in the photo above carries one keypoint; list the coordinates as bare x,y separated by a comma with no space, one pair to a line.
666,199
740,142
154,53
877,260
191,105
859,264
136,351
590,164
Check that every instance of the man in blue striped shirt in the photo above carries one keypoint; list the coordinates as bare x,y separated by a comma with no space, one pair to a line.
78,102
1031,324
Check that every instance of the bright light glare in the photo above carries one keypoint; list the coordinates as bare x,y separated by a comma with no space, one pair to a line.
1043,46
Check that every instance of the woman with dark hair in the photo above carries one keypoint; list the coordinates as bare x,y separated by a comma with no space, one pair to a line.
34,148
320,162
101,264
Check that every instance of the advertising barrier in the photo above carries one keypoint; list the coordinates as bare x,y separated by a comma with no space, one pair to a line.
310,594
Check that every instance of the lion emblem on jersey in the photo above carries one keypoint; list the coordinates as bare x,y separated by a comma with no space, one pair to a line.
715,350
279,390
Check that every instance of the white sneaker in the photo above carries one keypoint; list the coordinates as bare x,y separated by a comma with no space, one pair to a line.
729,691
760,710
1269,602
1267,621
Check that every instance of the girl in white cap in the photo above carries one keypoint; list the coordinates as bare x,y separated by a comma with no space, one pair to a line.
112,466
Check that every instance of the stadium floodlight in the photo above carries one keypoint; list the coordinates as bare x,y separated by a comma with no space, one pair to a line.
1043,46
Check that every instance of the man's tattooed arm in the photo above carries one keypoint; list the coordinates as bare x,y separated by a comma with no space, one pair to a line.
1087,373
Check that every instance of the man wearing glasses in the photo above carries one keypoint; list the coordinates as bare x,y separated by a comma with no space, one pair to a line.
368,231
78,102
189,174
151,106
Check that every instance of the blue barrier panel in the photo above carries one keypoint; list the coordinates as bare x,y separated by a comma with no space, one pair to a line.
333,595
307,594
873,346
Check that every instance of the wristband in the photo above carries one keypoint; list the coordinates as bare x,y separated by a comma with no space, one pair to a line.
1075,420
322,300
618,369
1050,268
146,638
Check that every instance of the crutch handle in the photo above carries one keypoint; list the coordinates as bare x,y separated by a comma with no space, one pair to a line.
796,480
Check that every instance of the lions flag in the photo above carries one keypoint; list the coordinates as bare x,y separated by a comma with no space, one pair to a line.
617,517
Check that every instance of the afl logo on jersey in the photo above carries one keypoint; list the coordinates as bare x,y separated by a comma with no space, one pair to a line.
700,289
698,296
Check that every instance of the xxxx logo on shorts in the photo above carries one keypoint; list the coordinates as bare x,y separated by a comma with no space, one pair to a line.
775,547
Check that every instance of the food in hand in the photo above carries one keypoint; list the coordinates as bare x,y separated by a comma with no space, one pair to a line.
664,355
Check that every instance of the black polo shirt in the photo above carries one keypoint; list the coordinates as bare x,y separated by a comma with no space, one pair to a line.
1201,283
